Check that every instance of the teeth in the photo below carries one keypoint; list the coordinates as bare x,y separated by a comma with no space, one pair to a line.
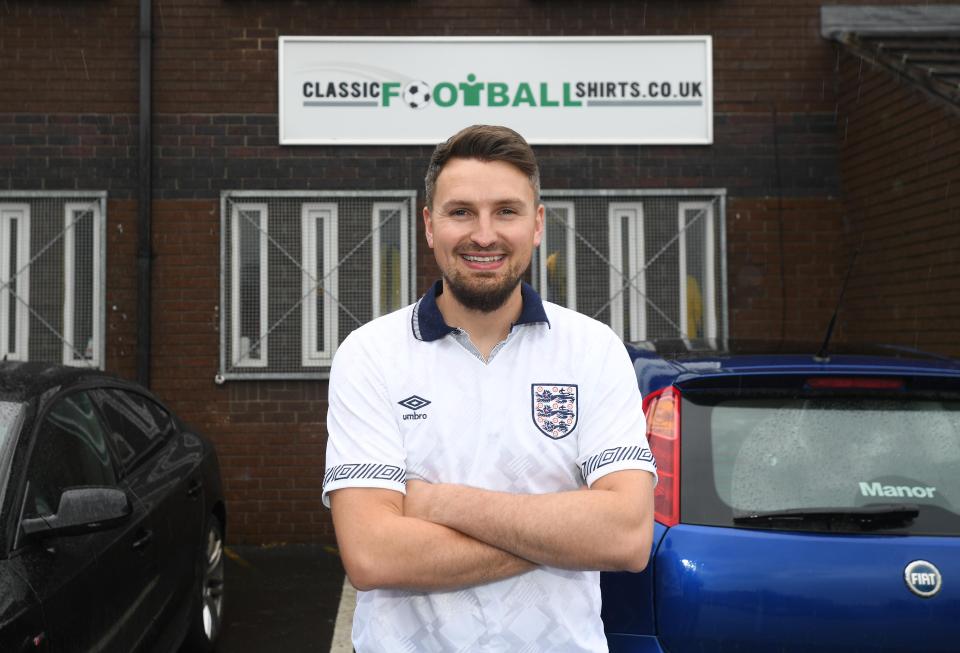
482,259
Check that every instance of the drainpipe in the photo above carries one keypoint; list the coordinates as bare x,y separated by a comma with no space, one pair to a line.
145,199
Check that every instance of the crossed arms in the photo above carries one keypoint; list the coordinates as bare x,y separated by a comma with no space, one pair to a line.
445,536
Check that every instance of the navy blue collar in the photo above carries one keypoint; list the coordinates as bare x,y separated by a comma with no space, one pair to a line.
428,323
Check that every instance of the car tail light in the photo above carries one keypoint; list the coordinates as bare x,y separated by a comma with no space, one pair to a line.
854,383
662,410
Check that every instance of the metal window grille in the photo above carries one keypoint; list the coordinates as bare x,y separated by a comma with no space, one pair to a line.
301,270
52,270
650,263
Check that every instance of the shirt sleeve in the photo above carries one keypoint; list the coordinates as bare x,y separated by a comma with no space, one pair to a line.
613,435
364,445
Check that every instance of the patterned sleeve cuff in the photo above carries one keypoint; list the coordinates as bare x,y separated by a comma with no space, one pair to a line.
373,475
616,459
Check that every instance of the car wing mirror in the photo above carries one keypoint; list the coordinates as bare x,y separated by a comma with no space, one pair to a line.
81,510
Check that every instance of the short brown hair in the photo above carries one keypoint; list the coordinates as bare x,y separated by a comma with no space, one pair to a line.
485,143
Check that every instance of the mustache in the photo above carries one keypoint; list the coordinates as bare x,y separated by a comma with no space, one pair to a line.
496,248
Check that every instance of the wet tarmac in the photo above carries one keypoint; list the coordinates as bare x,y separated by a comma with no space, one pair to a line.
280,598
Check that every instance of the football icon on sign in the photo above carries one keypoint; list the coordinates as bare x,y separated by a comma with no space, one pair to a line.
417,95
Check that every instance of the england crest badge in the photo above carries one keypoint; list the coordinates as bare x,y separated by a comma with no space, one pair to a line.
554,408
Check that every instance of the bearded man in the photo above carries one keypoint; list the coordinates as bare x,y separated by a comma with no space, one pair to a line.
486,454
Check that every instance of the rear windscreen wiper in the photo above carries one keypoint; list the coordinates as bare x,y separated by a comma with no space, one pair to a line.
876,515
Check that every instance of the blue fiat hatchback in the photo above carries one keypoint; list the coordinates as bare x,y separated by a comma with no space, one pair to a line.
806,503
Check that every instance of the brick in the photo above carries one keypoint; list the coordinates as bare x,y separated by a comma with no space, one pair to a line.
899,153
862,155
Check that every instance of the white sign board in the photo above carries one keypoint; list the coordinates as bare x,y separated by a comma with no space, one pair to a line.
422,90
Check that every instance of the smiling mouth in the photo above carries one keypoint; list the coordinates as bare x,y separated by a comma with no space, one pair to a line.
483,259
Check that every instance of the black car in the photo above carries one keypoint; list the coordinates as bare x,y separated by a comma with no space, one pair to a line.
112,518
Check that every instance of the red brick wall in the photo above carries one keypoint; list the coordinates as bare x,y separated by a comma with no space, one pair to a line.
900,157
69,120
121,291
764,50
786,263
271,444
69,57
216,56
270,436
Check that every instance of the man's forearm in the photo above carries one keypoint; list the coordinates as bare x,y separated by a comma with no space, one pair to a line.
596,529
414,554
390,550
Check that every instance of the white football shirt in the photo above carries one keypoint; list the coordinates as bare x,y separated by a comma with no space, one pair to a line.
555,407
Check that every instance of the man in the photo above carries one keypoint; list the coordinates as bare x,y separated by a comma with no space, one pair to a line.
465,431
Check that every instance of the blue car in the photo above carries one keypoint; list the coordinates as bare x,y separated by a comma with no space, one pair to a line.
806,503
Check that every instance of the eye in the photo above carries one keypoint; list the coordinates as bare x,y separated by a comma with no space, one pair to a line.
507,211
459,212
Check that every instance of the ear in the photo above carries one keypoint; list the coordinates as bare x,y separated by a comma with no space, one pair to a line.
538,234
428,226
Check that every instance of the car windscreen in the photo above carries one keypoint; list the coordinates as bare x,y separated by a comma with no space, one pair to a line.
9,418
11,413
822,463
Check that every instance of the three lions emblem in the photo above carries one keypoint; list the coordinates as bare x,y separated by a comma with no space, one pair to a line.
554,408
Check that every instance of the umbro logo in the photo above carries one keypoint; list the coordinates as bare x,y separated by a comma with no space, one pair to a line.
414,403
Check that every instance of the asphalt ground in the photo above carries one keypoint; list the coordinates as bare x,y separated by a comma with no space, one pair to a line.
280,598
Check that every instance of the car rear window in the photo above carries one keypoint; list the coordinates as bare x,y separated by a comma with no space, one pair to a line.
774,454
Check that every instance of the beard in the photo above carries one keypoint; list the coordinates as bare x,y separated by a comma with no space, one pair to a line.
485,298
484,294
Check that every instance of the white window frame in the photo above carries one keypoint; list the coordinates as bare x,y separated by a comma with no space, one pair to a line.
375,258
237,353
21,285
348,291
631,269
69,292
540,270
319,220
708,293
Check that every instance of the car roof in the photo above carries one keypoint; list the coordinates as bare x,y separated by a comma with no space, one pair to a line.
20,381
699,358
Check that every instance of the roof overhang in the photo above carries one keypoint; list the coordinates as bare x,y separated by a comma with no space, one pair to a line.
919,42
900,20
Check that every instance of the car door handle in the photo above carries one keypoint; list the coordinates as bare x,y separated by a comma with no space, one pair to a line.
142,541
194,489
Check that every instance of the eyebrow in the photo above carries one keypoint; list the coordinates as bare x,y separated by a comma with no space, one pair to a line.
504,201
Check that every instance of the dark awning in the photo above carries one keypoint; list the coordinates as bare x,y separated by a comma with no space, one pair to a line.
921,43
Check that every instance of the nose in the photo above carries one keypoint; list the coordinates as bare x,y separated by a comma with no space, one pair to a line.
484,235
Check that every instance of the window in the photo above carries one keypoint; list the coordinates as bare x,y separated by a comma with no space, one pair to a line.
14,281
11,417
554,262
249,284
391,253
696,282
52,267
760,452
81,277
70,451
627,271
303,269
137,424
319,283
650,263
